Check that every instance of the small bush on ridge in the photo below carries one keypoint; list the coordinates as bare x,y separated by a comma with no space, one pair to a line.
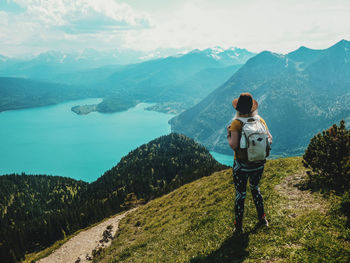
328,159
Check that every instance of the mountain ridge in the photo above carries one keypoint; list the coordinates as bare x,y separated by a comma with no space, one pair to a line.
20,93
311,98
162,80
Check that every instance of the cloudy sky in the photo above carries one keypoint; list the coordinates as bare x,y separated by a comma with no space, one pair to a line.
34,26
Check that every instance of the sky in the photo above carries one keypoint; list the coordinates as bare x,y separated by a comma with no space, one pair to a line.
36,26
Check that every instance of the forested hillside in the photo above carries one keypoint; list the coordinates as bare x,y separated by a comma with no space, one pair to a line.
184,79
299,94
38,210
19,93
155,168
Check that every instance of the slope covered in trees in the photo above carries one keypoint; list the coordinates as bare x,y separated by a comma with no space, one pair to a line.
299,94
38,210
185,78
34,212
155,168
19,93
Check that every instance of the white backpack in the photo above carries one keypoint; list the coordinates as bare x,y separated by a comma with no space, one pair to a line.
254,140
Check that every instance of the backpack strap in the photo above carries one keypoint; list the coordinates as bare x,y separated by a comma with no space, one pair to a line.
244,120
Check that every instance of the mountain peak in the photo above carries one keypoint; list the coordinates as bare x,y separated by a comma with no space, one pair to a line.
302,49
341,44
230,56
266,57
304,54
52,56
216,49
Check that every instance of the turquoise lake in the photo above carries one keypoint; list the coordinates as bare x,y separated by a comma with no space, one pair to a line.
54,140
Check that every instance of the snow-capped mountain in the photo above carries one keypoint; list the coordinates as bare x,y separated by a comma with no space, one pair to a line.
299,94
229,56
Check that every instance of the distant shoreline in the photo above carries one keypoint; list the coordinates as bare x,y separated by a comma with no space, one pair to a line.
84,109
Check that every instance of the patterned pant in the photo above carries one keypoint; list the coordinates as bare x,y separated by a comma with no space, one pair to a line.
240,179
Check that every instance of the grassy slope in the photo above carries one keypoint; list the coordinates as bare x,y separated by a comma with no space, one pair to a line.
195,224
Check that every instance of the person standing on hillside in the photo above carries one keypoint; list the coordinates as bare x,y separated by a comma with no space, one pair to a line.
249,137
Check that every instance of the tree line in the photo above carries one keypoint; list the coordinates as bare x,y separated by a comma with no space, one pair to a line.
37,210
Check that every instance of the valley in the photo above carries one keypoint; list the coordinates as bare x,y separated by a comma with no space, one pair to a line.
194,223
106,160
54,140
56,206
119,140
181,79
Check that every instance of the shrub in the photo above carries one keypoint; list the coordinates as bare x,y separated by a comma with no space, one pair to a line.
345,206
328,159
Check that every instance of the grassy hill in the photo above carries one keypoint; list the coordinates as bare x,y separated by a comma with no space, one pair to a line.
195,224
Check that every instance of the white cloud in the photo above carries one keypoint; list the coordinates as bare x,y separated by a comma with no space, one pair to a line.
73,13
54,24
280,26
257,25
3,18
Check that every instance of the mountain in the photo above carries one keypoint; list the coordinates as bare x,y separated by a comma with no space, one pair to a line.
155,168
182,79
229,56
47,65
299,94
37,210
170,79
196,87
18,93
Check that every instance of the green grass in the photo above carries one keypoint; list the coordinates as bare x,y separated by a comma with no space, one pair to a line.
195,224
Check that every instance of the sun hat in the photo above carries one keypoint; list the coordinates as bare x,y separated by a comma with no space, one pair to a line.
245,103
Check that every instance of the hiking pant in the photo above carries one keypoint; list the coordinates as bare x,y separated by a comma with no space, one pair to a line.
240,179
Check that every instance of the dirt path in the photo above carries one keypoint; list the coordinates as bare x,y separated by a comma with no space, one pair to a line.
84,242
300,201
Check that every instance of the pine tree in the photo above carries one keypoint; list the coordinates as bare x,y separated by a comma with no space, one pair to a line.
328,159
